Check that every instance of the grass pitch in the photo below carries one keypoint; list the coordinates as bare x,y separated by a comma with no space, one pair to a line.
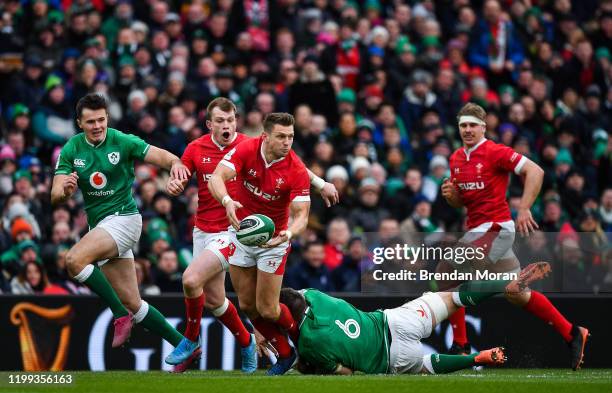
486,381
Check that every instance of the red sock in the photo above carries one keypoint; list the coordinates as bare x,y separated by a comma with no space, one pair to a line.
457,321
286,321
232,321
194,306
541,307
273,334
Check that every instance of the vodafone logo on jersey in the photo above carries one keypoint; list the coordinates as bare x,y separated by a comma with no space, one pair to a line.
98,180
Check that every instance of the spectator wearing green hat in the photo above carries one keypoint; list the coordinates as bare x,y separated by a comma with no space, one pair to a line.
121,18
431,51
346,100
13,260
19,118
22,179
53,121
159,242
401,67
372,12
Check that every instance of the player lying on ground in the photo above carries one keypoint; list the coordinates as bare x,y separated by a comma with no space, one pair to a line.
204,278
479,180
100,161
337,338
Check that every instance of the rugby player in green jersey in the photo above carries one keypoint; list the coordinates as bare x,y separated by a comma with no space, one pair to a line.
100,161
337,338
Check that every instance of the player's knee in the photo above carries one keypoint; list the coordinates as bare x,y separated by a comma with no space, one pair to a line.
190,281
133,305
74,262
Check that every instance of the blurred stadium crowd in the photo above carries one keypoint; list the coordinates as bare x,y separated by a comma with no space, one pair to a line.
374,87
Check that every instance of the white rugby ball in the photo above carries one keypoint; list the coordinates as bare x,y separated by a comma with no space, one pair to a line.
255,230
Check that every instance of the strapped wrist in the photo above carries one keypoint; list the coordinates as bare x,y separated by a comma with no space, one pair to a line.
317,182
226,199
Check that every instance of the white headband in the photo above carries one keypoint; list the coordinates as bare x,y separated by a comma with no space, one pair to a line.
471,119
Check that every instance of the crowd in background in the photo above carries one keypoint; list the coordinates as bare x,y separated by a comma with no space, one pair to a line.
374,87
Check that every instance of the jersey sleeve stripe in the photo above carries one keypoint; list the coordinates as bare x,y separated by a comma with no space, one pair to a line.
228,164
146,149
520,165
301,198
62,172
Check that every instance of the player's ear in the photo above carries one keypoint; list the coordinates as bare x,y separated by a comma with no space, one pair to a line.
209,124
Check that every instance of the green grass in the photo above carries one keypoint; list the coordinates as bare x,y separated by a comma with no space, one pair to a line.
487,381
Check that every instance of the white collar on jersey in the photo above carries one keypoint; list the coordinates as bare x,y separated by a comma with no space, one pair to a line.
99,144
261,150
221,147
471,149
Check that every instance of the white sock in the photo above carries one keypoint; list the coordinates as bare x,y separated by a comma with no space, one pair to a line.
142,312
427,364
457,300
84,274
217,312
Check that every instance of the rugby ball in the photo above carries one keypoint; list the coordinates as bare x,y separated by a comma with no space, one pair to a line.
255,230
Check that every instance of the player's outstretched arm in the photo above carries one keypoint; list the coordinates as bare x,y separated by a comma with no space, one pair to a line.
328,191
450,192
533,177
63,187
216,186
164,159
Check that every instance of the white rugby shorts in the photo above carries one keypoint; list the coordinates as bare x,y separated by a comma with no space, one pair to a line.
218,243
125,231
408,324
269,260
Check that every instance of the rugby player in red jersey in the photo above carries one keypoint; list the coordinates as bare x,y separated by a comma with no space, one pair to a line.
204,279
272,181
479,179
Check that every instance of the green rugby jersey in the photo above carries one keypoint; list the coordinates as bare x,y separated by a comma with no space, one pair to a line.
106,172
335,332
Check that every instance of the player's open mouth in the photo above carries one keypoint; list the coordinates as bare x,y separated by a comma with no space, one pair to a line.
226,135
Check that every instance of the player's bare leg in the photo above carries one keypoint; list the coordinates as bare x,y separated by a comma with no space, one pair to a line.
273,316
244,280
95,246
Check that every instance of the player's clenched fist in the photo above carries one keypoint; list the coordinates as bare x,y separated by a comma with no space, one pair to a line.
70,183
175,187
449,189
